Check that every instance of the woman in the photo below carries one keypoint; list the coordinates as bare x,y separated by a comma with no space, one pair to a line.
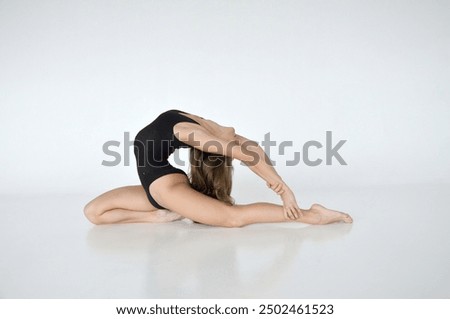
167,194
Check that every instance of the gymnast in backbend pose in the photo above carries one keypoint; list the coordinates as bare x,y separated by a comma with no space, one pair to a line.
168,194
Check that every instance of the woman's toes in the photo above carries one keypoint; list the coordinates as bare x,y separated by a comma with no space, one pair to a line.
348,218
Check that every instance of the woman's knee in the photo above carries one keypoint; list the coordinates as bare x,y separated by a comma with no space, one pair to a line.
93,213
233,217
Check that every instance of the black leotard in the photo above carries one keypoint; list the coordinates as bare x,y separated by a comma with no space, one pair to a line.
152,147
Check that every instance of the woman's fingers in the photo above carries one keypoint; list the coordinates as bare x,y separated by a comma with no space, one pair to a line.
286,214
290,213
294,212
277,188
300,212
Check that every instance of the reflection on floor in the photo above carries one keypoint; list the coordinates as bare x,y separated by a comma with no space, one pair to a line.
398,247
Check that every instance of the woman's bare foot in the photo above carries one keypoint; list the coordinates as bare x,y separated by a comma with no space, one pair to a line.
328,216
164,216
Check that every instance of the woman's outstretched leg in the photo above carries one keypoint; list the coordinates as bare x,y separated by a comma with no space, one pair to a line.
316,215
127,204
175,193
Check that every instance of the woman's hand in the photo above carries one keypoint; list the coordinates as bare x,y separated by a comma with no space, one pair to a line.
277,187
291,209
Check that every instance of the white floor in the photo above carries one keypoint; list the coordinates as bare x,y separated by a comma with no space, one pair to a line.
398,247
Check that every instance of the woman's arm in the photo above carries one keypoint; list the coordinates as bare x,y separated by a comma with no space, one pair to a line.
244,150
262,166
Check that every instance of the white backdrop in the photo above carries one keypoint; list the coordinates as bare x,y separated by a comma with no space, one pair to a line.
75,74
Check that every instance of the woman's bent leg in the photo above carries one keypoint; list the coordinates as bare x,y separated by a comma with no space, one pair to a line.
127,204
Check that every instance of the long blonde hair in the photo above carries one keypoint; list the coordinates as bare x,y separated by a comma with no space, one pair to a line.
211,174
